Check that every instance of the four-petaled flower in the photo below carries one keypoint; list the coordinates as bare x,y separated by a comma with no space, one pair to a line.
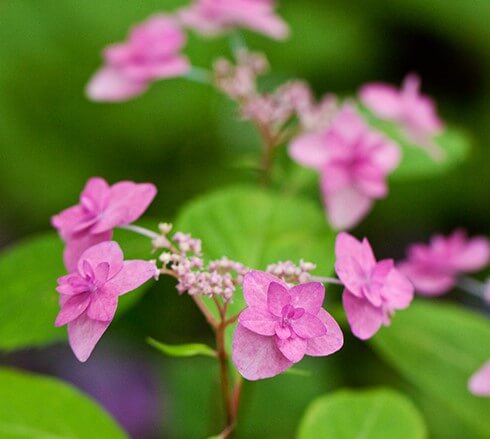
101,209
151,52
89,296
479,383
415,112
433,268
210,17
373,290
353,161
281,325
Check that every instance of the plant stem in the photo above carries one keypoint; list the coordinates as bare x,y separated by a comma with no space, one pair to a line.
472,286
140,231
326,280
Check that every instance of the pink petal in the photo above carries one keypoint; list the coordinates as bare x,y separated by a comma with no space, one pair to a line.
109,85
292,348
364,319
277,298
308,296
427,282
258,320
382,99
475,256
255,287
83,335
76,247
256,356
387,155
308,326
176,66
67,221
397,290
95,192
131,276
479,383
346,207
309,150
282,332
347,245
102,306
133,197
108,251
329,343
72,308
111,219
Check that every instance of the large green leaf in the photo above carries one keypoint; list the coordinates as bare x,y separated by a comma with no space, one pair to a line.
437,347
371,414
28,300
258,227
32,406
416,162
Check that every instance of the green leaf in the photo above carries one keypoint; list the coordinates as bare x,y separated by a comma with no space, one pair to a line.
257,227
28,299
416,162
183,350
437,347
32,406
367,414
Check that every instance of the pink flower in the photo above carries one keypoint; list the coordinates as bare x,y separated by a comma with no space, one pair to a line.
210,17
373,290
414,111
152,52
281,325
434,268
88,297
354,162
479,383
101,209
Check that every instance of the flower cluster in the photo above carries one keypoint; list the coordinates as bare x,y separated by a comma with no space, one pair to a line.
291,273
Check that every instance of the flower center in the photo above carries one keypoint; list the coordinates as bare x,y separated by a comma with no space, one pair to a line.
290,313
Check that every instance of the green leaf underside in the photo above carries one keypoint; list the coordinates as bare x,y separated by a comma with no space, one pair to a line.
32,406
416,162
257,227
183,350
28,299
364,414
437,347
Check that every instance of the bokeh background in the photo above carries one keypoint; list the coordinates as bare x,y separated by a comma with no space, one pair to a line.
185,138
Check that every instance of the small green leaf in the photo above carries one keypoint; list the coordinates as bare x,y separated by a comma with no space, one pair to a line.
437,347
366,414
33,406
183,350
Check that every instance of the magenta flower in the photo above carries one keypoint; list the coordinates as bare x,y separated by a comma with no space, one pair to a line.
415,112
88,297
101,209
281,325
479,383
209,17
433,268
373,290
353,161
151,52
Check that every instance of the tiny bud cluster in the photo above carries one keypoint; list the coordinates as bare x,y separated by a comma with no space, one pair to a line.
292,273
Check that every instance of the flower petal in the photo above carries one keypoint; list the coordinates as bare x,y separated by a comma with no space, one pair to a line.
83,335
108,251
132,274
76,247
72,308
293,348
397,290
309,150
256,356
277,298
426,281
364,319
479,383
102,306
382,99
255,287
475,256
329,343
258,320
308,296
109,85
308,326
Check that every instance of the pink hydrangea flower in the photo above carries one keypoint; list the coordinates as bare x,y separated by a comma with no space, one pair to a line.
479,383
354,162
414,111
281,325
151,52
210,17
433,268
373,290
101,209
88,297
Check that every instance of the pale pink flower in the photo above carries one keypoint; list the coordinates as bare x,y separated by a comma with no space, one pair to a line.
433,268
415,112
151,52
354,162
211,17
101,209
89,296
281,325
479,383
373,290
